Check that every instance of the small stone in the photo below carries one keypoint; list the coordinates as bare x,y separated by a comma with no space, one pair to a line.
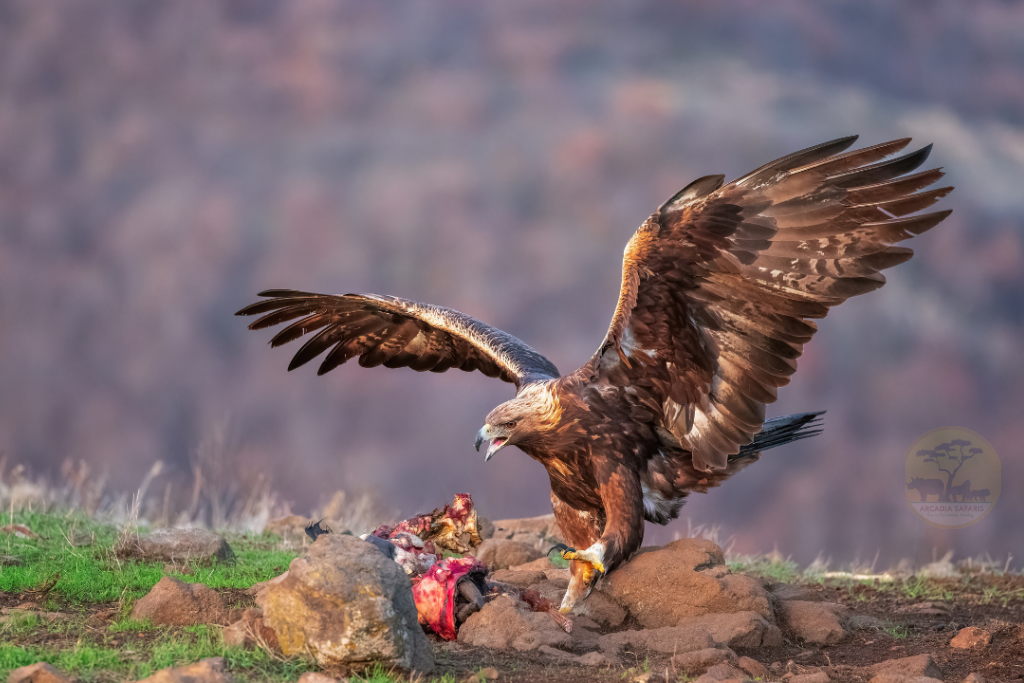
210,670
974,678
177,545
672,640
519,578
813,677
721,673
556,653
969,638
316,677
172,602
816,623
918,665
40,672
501,553
753,668
19,530
738,629
249,631
594,659
698,662
488,673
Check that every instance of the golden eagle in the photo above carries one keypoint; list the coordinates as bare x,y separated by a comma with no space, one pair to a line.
720,290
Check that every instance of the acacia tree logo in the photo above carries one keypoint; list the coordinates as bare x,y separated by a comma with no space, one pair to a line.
948,454
952,477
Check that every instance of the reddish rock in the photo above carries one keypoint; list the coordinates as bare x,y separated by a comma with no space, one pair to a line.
250,631
594,659
684,579
699,661
210,670
753,668
292,526
720,673
518,578
969,638
40,672
316,677
172,602
598,606
504,622
499,553
974,678
918,665
816,623
541,564
739,629
813,677
671,640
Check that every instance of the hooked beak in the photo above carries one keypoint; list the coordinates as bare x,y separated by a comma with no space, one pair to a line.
496,444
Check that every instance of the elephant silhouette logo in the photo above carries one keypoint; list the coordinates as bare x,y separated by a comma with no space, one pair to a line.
952,477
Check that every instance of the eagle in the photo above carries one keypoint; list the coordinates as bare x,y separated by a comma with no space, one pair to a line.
721,288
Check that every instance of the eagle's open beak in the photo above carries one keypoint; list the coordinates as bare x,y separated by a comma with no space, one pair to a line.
496,442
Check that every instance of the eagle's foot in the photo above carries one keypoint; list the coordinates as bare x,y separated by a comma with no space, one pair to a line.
593,556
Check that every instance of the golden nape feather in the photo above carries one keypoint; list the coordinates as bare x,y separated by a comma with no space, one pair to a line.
721,288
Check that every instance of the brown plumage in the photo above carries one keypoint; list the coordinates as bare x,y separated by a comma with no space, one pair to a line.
720,290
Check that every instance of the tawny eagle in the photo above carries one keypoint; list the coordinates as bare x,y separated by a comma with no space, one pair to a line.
720,290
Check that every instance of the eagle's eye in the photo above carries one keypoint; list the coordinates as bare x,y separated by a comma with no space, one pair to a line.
510,424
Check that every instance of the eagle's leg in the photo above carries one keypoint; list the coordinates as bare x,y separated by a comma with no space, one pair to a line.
621,536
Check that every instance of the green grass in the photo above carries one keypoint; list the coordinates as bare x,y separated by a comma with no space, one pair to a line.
785,571
898,631
92,573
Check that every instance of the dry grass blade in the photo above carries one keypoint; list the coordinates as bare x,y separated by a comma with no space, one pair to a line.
45,587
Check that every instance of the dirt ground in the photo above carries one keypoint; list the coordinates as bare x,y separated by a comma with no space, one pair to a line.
942,608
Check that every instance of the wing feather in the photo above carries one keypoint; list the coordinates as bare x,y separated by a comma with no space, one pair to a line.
393,332
721,285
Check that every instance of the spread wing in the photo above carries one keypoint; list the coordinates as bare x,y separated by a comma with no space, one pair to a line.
395,333
721,284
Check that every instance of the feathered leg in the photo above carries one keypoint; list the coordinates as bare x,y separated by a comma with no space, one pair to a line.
621,536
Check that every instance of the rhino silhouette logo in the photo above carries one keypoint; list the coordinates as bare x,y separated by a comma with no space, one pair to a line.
927,487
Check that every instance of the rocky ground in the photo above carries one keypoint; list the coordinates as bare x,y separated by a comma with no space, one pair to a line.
673,613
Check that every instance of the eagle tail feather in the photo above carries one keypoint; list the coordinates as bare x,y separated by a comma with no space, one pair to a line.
779,431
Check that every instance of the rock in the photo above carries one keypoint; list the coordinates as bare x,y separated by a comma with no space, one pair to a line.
686,578
346,604
488,673
541,564
969,638
863,622
594,659
518,578
601,608
20,531
210,670
740,629
753,668
672,640
556,653
316,677
900,678
813,677
172,602
918,665
788,591
816,623
177,545
499,553
974,678
721,673
543,527
40,672
939,610
699,661
250,631
504,622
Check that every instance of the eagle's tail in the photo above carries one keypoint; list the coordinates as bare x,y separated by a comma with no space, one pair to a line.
782,430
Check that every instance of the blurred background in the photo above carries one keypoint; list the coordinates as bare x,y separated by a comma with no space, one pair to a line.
160,163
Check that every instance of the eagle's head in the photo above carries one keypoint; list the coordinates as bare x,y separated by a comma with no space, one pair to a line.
534,411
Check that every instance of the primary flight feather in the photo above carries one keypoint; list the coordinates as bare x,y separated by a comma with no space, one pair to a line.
720,289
